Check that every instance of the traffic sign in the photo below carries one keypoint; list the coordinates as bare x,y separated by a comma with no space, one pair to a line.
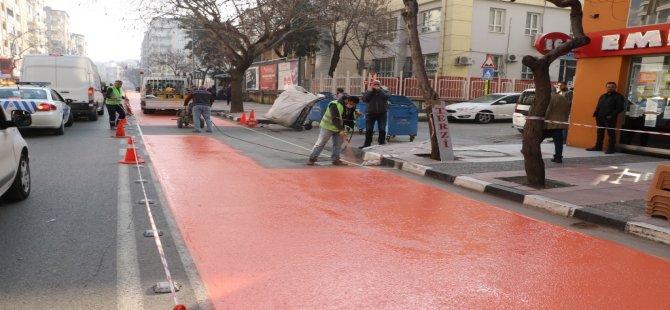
487,73
488,63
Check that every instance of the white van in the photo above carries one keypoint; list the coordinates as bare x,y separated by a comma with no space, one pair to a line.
74,77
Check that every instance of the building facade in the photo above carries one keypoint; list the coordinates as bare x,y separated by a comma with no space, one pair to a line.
163,37
22,32
57,31
629,46
78,45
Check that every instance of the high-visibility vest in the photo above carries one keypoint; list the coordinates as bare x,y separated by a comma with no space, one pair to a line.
327,120
118,92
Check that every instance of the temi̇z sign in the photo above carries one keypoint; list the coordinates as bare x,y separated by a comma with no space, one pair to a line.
654,39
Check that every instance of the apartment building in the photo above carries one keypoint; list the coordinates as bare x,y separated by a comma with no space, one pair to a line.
456,37
57,31
162,36
78,45
22,32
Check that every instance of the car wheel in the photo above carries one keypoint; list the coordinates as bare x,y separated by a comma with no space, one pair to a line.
102,111
20,188
70,120
93,116
60,130
484,117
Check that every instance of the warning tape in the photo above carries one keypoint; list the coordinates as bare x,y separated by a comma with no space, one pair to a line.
156,236
535,118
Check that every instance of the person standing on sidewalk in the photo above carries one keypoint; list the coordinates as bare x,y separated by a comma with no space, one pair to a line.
113,98
375,111
202,106
610,104
556,119
332,126
567,93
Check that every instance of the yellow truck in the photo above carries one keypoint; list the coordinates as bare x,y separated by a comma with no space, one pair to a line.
163,93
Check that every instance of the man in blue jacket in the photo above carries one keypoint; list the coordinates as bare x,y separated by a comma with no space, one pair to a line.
376,99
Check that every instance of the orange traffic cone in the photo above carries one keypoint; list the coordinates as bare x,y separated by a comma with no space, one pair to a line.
131,157
252,120
243,119
120,131
123,122
179,307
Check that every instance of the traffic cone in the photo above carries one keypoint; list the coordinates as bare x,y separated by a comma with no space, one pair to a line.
179,307
252,120
123,122
243,119
131,156
120,131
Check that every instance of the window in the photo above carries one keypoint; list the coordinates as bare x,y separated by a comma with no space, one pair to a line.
384,66
387,28
10,12
497,20
430,62
532,24
430,20
498,62
526,73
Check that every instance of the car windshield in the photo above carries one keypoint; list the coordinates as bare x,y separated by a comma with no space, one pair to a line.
487,98
14,93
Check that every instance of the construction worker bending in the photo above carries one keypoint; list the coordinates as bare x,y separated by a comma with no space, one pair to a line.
332,126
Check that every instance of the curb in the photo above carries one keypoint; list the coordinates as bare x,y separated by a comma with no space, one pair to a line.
644,230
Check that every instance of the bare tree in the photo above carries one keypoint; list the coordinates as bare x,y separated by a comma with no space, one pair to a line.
409,15
176,61
363,15
244,29
373,35
21,43
533,130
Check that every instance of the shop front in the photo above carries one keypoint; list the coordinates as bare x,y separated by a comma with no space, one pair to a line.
634,53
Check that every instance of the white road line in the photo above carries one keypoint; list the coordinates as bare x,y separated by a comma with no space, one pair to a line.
128,287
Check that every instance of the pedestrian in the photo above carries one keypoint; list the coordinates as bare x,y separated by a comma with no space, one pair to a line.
202,106
332,126
556,118
567,93
375,112
339,93
113,98
229,93
610,104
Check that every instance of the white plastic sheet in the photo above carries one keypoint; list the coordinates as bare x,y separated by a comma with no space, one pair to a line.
286,108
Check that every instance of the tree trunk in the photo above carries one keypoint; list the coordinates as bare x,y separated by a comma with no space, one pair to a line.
337,50
410,17
533,130
236,102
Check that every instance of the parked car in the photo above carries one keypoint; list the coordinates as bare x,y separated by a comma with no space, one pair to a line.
521,109
74,77
49,110
484,109
14,160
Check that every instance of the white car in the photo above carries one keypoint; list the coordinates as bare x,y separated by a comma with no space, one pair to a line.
485,109
522,107
14,161
49,110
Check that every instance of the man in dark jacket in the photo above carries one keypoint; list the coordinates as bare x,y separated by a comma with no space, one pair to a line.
610,104
202,103
375,111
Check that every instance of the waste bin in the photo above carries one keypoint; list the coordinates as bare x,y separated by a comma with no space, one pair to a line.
360,120
403,118
318,109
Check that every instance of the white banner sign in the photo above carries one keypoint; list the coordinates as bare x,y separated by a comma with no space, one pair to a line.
442,131
287,74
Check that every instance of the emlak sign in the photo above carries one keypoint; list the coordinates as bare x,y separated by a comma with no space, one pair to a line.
630,41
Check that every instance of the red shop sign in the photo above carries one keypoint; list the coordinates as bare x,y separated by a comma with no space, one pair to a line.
548,41
624,42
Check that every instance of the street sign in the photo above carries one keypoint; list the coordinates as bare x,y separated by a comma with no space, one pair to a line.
487,73
488,63
199,75
445,147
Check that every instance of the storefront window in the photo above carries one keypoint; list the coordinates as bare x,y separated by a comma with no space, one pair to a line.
648,12
648,106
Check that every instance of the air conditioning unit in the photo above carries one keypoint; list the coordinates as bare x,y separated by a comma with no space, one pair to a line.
511,58
463,61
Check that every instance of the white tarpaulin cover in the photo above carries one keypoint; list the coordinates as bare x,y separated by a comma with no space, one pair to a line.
287,107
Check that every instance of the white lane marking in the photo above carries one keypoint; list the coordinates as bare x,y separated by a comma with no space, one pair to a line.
128,287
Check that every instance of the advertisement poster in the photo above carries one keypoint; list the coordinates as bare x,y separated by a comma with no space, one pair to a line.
287,74
251,78
268,77
648,77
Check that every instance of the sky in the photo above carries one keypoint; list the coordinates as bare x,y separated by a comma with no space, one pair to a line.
113,29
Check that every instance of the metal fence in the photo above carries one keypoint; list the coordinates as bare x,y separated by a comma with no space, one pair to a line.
448,88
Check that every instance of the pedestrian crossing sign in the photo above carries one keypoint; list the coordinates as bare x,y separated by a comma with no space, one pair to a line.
487,74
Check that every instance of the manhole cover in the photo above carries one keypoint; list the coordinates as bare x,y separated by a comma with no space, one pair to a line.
584,225
481,154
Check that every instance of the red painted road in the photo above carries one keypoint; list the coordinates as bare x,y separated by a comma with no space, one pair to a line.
350,237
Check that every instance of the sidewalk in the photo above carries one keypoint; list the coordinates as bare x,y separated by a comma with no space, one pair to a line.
604,189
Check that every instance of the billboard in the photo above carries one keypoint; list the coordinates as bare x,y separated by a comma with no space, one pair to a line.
268,77
251,78
287,74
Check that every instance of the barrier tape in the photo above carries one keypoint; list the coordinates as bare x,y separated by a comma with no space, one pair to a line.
157,239
583,125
